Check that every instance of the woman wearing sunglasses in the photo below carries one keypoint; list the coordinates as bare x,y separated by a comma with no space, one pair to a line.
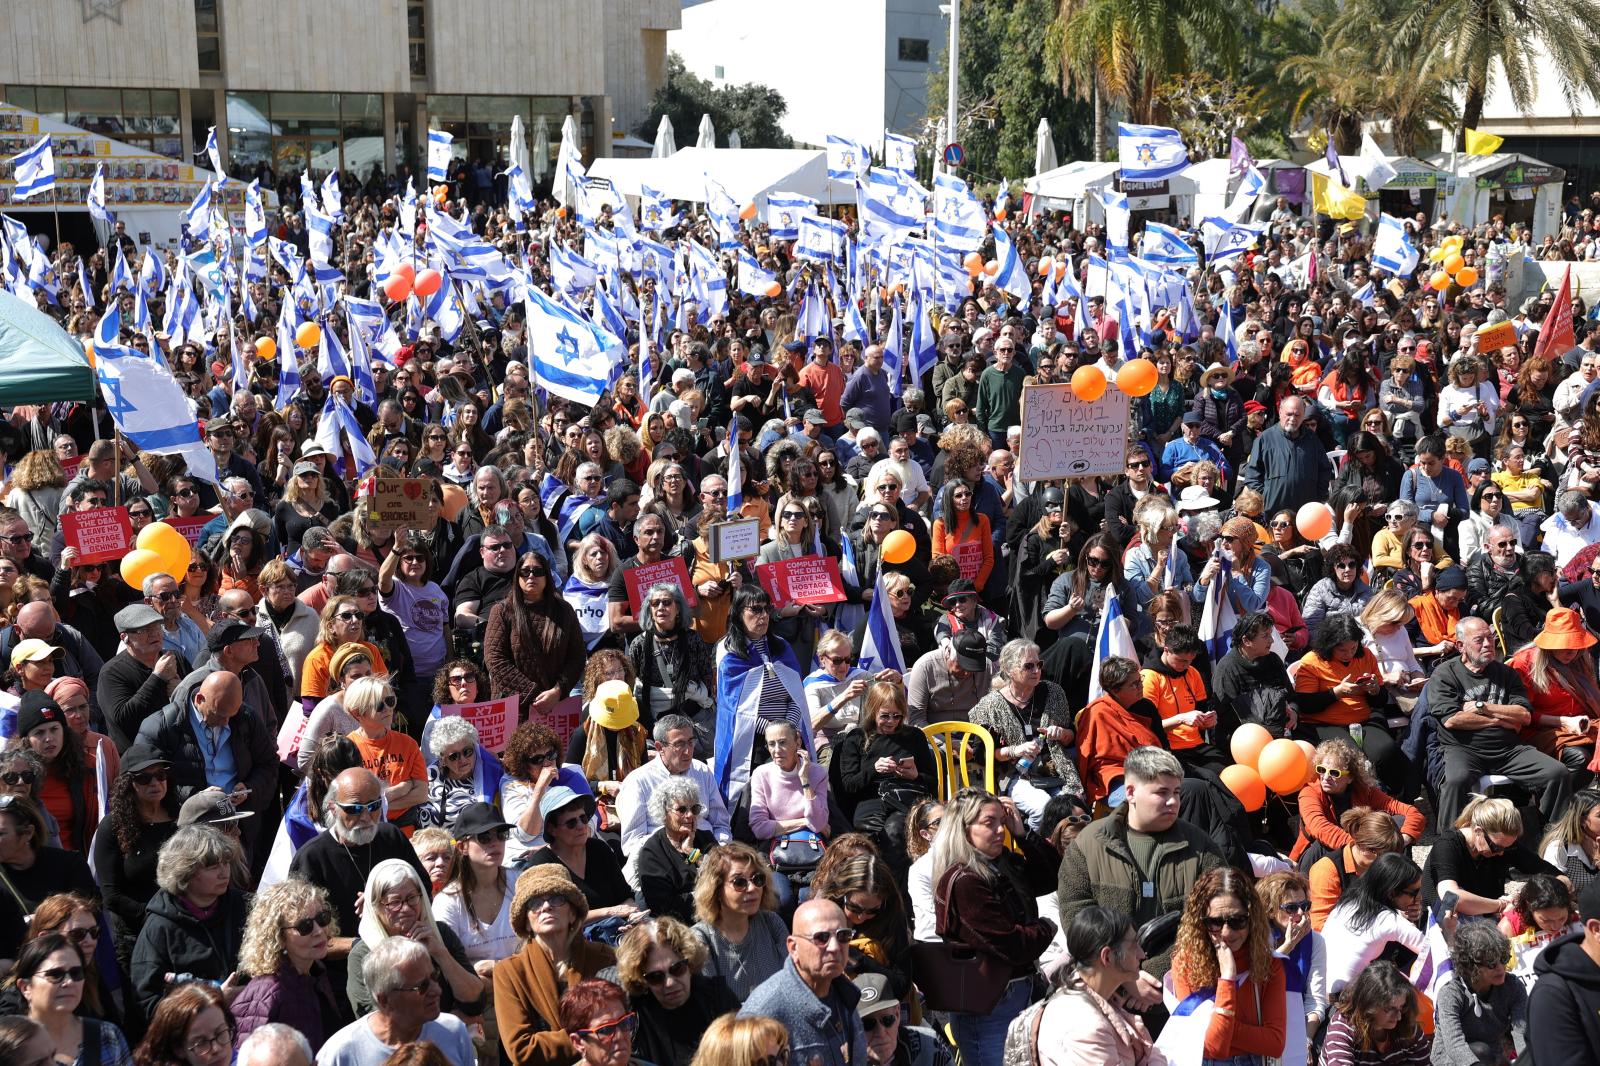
371,700
737,904
669,860
76,917
51,975
1224,945
660,963
1479,856
1343,781
461,771
142,817
596,1017
1285,896
284,954
533,644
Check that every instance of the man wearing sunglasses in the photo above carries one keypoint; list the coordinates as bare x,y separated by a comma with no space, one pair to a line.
887,1035
811,995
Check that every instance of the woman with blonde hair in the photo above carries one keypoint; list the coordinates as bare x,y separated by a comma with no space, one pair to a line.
35,494
736,902
881,769
1384,620
1559,675
1477,857
1224,943
1145,563
284,951
743,1040
342,622
593,566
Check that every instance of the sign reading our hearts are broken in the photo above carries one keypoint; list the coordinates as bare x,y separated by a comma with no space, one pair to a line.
394,504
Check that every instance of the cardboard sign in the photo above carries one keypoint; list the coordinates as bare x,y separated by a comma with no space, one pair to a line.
394,504
1493,338
494,720
1063,436
808,579
969,557
738,539
190,527
565,717
670,570
100,535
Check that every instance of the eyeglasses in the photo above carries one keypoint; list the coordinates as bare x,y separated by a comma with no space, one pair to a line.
694,809
1236,922
1032,666
168,596
420,986
20,538
659,977
459,756
61,976
554,900
1409,893
493,836
572,823
533,571
1489,843
838,936
356,810
367,590
349,616
145,777
786,515
625,1024
245,494
1295,906
541,757
882,516
1138,464
504,545
19,777
320,920
81,933
865,912
1334,772
740,882
888,486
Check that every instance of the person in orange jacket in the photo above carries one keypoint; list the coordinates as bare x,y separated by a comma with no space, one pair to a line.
1114,725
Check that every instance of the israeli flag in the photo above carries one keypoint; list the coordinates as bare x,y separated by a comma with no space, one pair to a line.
520,203
146,401
35,170
899,153
894,361
1012,277
847,159
655,211
1118,216
784,212
255,216
855,329
572,357
1150,153
152,275
1392,250
924,343
819,239
338,420
958,219
1111,640
1253,185
1225,332
84,286
215,155
880,645
1366,295
735,476
198,216
570,271
97,197
887,209
1232,241
438,154
319,232
1166,246
1217,617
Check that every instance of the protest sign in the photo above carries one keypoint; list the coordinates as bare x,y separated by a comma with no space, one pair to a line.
969,557
1063,436
736,539
190,527
394,504
671,571
562,719
1493,338
494,720
100,534
808,579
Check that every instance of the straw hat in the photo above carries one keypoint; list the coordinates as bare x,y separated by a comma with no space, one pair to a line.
1563,631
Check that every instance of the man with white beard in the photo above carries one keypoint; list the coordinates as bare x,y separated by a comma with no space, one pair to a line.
359,837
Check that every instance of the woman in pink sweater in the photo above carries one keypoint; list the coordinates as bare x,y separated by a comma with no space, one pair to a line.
790,792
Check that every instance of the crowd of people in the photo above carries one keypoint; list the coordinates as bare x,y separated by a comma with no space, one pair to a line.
243,814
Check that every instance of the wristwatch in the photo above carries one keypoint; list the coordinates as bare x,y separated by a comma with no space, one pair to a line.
1482,707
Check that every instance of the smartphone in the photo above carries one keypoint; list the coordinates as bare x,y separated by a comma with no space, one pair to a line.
1447,902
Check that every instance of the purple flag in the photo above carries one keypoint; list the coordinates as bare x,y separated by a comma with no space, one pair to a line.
1239,158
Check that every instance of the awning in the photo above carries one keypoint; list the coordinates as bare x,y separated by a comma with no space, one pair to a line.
39,361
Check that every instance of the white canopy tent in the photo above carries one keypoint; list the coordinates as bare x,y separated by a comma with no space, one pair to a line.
748,174
1215,186
1516,186
1071,188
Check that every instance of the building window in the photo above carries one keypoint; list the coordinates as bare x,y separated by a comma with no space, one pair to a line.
208,35
913,49
416,32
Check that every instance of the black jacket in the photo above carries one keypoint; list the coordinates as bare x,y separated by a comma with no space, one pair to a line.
667,876
174,941
255,754
1564,1006
1488,587
1258,691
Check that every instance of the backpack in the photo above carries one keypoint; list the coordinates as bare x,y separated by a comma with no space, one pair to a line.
1021,1046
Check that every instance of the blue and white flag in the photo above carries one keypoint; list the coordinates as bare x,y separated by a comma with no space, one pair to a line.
1118,216
735,475
214,154
958,219
569,270
255,216
570,356
655,211
1150,153
333,196
439,155
96,198
880,644
894,361
1228,241
1166,246
889,210
83,284
520,204
319,232
1112,639
146,401
1002,199
35,170
152,275
1252,186
1225,334
819,238
198,216
847,159
1392,249
784,212
1366,295
855,329
288,360
924,342
899,153
339,421
1217,617
1012,277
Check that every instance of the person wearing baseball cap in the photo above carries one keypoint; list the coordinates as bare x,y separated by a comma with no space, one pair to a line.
33,661
943,684
962,612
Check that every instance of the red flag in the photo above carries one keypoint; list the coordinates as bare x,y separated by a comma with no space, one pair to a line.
1555,335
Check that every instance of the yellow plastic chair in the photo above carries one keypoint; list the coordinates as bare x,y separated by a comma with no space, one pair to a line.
1497,623
951,743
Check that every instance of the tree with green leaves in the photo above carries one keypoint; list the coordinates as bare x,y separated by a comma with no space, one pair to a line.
754,110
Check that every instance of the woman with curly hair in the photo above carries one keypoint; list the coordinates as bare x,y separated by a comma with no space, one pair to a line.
1375,1021
461,771
533,766
284,951
660,965
35,494
142,817
736,902
192,1026
1224,942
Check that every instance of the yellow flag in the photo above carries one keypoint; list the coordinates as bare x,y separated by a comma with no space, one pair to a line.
1483,143
1330,198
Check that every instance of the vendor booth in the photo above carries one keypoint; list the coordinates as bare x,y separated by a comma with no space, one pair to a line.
1522,190
1072,188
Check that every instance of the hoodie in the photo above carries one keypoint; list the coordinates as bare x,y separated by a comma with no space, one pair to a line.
1564,1006
176,941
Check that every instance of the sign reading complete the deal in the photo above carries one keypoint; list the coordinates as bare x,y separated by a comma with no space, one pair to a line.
100,534
808,579
670,571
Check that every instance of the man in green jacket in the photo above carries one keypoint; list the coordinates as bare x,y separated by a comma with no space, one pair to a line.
999,402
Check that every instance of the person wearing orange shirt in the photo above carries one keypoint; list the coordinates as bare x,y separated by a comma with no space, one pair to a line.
1173,684
392,755
1225,944
1372,833
1112,726
825,380
1338,683
1438,611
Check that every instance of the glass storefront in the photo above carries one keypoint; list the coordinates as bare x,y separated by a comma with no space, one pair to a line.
481,125
145,118
293,131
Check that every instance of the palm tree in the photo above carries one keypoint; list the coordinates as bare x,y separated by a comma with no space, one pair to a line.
1327,73
1470,36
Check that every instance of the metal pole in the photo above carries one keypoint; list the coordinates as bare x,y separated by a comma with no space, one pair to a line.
954,56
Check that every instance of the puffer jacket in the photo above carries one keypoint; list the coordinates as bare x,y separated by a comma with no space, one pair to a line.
174,941
306,1002
1325,599
1098,869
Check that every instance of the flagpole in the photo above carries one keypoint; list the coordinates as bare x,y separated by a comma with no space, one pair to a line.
55,209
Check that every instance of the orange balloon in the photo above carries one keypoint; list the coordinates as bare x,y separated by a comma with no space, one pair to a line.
1310,750
1246,784
138,565
1440,281
1248,740
427,283
974,263
1282,767
308,335
266,348
1466,277
1314,520
1088,384
88,352
455,499
1061,271
1000,214
747,212
991,268
1137,378
1453,263
1045,266
407,271
396,288
774,289
899,546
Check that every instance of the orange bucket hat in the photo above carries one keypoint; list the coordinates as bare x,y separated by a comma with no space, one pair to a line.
1563,630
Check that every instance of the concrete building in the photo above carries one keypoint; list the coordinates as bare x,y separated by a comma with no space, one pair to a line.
335,83
833,60
1551,131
